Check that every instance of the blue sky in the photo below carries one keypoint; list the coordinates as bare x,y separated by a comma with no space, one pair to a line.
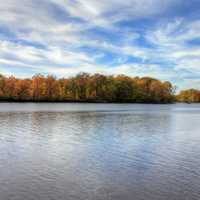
159,38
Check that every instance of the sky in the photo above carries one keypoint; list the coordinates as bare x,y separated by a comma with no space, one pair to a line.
157,38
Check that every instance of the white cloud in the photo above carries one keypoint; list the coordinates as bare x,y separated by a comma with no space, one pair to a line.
172,44
63,27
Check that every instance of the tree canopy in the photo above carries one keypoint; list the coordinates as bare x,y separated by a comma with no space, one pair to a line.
189,96
85,87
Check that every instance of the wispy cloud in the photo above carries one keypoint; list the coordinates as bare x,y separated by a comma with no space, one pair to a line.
134,37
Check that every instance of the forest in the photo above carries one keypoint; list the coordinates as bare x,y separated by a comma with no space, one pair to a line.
189,96
85,87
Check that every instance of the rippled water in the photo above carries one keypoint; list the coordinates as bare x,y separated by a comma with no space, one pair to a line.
99,152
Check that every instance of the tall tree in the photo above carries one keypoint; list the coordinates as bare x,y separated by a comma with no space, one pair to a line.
2,86
51,88
10,88
23,89
38,87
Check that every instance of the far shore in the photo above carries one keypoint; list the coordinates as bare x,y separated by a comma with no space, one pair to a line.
94,102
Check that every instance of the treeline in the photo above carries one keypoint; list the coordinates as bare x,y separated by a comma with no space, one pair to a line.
86,88
189,96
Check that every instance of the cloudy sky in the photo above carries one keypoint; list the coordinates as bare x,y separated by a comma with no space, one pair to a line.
159,38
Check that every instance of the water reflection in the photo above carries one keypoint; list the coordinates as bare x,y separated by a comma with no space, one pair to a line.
144,152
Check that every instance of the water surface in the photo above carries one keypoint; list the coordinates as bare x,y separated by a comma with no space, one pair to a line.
99,151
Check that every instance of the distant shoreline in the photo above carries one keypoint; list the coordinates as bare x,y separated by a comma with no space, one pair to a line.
89,102
93,88
93,102
86,88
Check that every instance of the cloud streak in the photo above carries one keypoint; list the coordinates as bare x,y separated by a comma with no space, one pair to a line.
134,37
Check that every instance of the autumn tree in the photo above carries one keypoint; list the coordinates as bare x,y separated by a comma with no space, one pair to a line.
124,89
189,96
51,88
38,87
81,82
91,88
2,86
23,89
10,88
102,88
63,89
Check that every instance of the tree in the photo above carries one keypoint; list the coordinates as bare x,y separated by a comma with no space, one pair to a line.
81,82
124,89
95,88
2,86
51,88
38,87
189,96
23,89
10,88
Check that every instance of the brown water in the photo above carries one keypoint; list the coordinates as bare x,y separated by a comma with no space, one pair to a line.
99,152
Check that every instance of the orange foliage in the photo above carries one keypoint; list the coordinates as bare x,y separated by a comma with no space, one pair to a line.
85,87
